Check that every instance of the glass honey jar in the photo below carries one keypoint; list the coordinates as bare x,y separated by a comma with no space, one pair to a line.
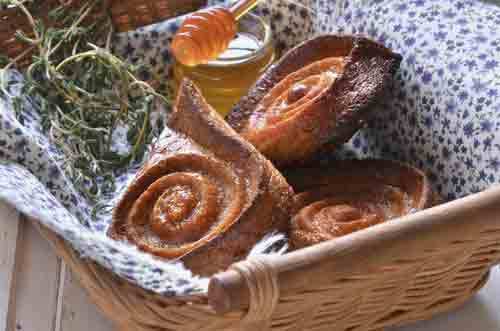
228,78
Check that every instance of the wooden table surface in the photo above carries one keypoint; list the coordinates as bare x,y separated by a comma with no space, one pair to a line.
38,292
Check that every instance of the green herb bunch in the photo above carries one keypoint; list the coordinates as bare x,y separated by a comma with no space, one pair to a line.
86,95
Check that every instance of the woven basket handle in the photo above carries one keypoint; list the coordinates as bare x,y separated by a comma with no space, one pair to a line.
449,228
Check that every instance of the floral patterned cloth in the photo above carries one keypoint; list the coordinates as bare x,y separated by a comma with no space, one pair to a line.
442,115
445,107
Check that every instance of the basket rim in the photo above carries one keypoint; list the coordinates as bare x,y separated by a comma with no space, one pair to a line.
432,215
115,306
228,291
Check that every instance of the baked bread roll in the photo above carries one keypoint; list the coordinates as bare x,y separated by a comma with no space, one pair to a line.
352,195
205,196
320,92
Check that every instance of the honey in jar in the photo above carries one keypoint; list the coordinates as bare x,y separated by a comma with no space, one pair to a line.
225,80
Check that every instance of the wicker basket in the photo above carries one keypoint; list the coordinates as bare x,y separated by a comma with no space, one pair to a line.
126,16
391,274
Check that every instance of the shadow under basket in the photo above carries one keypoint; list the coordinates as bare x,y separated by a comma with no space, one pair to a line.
395,273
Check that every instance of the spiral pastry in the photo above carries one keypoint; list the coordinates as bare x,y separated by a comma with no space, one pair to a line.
205,196
353,195
318,93
204,35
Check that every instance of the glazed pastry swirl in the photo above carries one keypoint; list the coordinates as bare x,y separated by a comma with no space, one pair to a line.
326,213
353,195
194,200
320,93
205,196
294,94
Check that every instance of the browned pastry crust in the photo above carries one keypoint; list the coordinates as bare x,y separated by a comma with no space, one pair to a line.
352,195
320,92
205,196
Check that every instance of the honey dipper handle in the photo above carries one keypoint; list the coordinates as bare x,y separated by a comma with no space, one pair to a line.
241,7
336,264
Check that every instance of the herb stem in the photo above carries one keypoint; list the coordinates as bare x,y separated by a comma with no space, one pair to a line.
93,108
72,28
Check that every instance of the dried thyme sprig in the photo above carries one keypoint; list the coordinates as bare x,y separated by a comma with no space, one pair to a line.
86,96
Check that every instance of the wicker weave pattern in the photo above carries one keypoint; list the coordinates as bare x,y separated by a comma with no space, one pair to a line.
12,20
126,16
410,288
132,14
409,291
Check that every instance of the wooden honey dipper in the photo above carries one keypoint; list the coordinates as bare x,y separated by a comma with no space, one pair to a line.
205,34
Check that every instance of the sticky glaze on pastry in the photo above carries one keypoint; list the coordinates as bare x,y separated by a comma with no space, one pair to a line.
205,195
320,92
352,195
